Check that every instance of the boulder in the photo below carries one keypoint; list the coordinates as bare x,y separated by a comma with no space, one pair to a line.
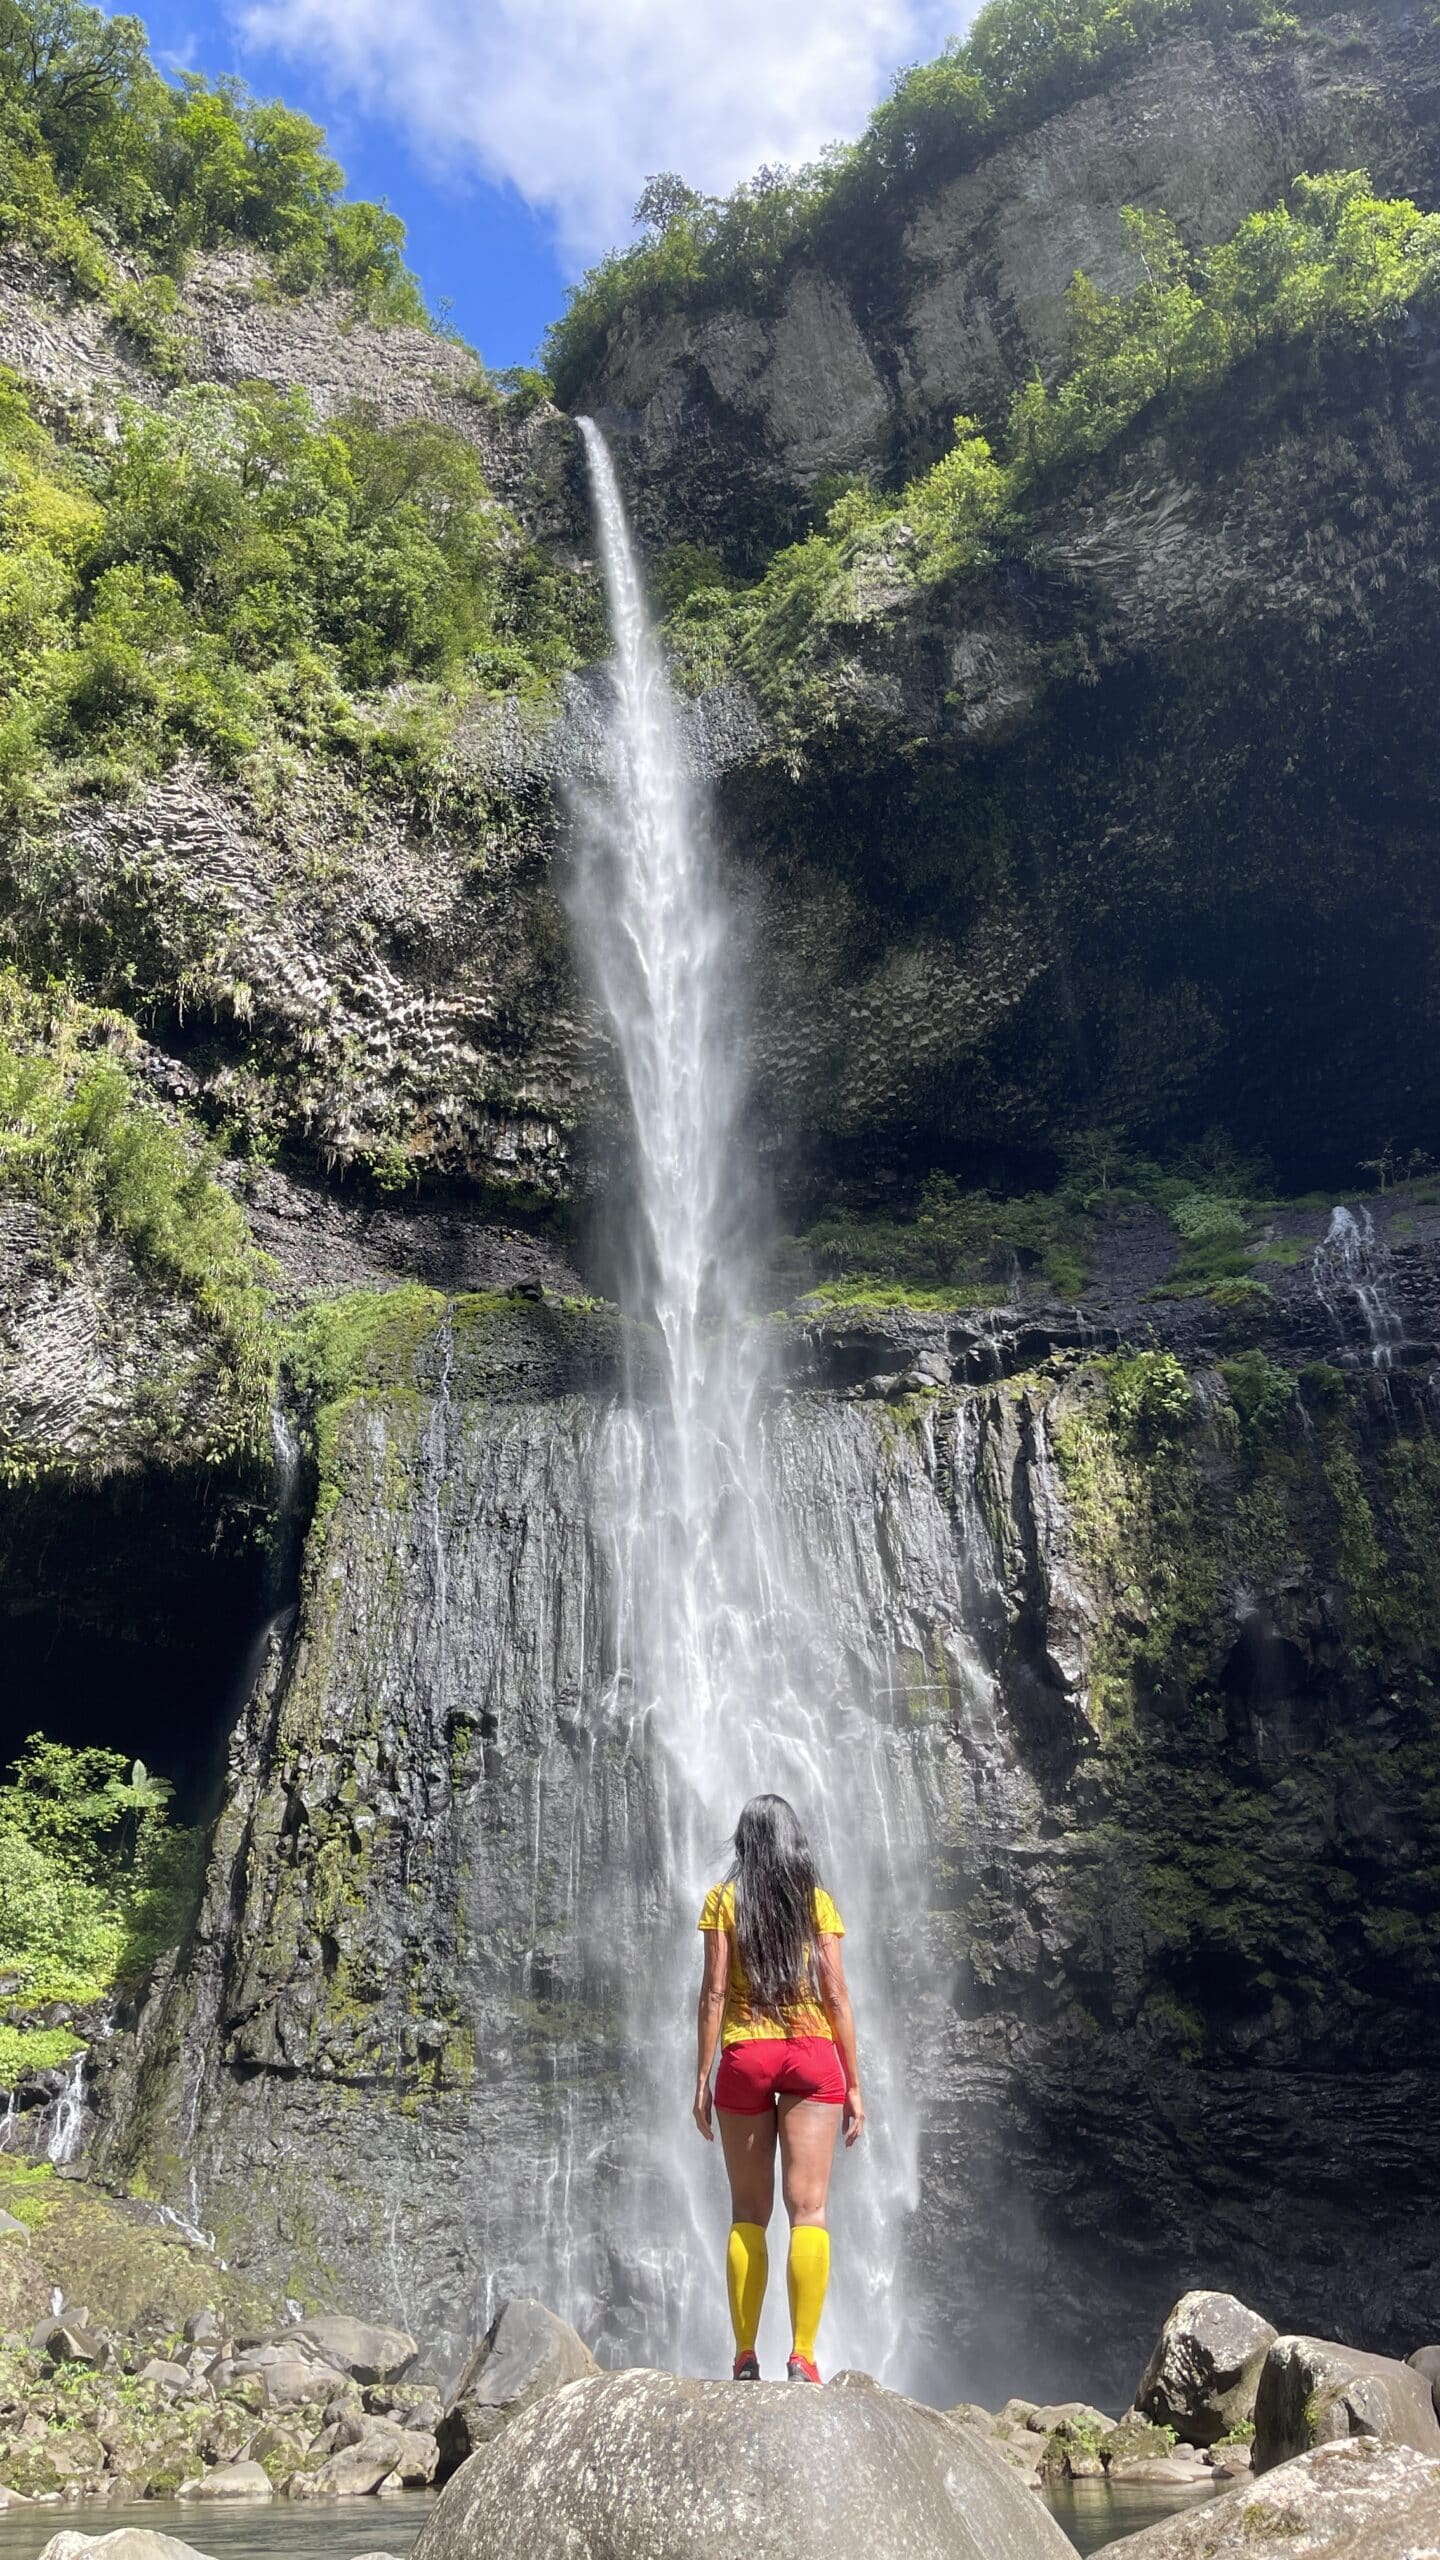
68,2341
132,2542
1075,2415
1313,2391
525,2353
1202,2378
1357,2501
356,2347
355,2470
288,2376
203,2329
166,2376
1426,2361
1162,2470
653,2466
418,2460
229,2482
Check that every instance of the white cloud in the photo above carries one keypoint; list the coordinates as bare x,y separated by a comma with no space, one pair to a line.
574,102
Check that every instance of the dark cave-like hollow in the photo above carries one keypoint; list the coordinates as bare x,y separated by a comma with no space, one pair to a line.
130,1617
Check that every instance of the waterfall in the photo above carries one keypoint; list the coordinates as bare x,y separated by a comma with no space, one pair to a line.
1350,1266
723,1674
66,2114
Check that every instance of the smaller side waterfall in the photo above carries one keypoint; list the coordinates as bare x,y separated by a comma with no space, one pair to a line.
66,2113
1351,1269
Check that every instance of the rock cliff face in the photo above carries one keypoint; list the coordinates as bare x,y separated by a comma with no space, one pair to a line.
726,421
1169,1705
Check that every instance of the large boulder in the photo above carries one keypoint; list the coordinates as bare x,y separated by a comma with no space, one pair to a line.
367,2353
1357,2501
1202,2378
650,2466
1313,2392
525,2353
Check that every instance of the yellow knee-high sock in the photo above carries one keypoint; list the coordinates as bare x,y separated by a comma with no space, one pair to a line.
807,2276
747,2265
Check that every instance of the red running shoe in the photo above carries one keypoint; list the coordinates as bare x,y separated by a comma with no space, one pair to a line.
800,2369
746,2368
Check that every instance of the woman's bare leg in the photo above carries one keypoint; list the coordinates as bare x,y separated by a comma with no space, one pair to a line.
807,2150
748,2143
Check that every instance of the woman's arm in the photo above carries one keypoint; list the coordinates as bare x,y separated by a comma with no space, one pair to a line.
835,2001
710,2019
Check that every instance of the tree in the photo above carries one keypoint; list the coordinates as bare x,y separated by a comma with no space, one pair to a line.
665,199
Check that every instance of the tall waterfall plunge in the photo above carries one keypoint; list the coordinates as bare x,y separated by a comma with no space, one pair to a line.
724,1664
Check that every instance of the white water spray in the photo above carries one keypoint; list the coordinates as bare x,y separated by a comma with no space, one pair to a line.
723,1678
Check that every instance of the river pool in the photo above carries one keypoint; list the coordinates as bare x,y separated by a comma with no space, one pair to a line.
345,2529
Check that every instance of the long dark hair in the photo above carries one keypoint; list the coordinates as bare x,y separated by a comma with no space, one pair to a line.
773,1872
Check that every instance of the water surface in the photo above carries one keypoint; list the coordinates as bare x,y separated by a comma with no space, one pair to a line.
1095,2514
1091,2513
328,2529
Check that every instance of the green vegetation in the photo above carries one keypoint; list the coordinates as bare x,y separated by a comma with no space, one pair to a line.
336,1347
955,1243
97,148
958,1245
1335,265
1262,1394
95,1882
1150,1399
1021,61
79,1138
228,573
368,1337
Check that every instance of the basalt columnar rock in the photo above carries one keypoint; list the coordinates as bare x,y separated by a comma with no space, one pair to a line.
644,2466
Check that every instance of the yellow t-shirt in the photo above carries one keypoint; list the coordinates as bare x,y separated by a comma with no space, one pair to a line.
742,2025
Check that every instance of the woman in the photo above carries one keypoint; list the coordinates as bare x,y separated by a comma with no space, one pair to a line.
774,1997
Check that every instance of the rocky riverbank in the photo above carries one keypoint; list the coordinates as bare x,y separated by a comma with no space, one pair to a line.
538,2443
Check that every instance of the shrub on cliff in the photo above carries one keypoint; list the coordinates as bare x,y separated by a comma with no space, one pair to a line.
229,570
79,1138
95,1882
168,168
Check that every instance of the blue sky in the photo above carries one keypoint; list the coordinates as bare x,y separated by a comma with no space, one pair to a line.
513,136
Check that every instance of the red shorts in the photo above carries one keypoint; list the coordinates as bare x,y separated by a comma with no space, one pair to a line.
754,2074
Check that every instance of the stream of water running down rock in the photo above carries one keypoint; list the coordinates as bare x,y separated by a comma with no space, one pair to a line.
724,1679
